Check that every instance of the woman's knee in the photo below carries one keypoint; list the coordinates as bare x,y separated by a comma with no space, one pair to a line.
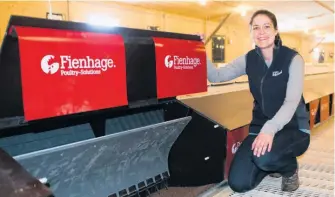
239,184
302,146
265,162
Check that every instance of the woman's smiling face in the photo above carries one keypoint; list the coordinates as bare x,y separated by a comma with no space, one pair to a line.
263,31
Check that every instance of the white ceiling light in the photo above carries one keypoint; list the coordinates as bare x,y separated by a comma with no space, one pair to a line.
102,20
242,9
202,2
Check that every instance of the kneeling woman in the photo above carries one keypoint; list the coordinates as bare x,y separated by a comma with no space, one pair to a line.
279,129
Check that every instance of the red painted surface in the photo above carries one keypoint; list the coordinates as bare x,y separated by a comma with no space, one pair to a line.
313,108
180,66
234,140
324,107
67,72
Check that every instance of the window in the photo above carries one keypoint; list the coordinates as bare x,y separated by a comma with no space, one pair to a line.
218,49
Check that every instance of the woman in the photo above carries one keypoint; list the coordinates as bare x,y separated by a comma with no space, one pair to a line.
279,129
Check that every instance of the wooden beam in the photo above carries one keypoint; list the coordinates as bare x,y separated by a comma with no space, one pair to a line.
324,6
216,17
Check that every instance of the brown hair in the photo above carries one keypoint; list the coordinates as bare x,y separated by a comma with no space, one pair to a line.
273,19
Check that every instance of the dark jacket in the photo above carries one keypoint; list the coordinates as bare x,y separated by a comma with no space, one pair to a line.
268,87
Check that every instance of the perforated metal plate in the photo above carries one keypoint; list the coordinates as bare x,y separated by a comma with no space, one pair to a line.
309,187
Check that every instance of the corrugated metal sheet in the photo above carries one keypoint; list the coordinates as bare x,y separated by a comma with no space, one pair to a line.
133,121
21,144
30,142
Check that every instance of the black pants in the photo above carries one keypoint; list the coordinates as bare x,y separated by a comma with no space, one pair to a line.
247,170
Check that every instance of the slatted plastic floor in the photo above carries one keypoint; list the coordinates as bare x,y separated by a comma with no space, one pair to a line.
316,170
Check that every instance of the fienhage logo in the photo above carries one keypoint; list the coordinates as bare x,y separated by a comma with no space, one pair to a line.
313,112
181,63
235,147
76,66
49,68
168,62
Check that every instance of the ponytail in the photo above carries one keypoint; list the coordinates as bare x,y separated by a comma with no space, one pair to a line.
278,41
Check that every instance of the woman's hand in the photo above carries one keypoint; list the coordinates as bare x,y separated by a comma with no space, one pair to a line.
262,143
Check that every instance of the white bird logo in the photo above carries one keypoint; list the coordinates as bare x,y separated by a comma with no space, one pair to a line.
46,67
168,63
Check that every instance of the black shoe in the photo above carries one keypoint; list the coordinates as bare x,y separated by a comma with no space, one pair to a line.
290,184
275,175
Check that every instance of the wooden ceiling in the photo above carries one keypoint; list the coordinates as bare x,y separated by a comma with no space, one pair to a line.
293,16
212,9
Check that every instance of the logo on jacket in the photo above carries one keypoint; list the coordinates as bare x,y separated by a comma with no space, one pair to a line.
276,73
181,63
69,66
47,67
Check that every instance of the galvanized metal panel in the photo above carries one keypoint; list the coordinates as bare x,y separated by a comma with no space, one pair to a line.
30,142
133,121
105,165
